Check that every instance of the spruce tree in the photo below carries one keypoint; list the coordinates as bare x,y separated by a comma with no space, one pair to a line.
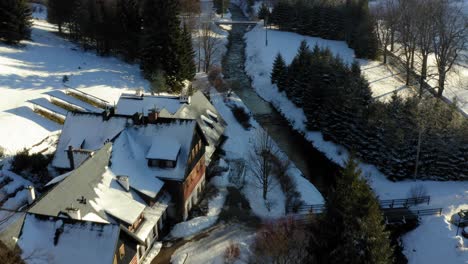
15,21
59,12
263,12
279,69
354,222
187,55
130,24
161,41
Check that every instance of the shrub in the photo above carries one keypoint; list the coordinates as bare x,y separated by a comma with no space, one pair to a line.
242,116
65,79
35,164
214,73
417,191
2,152
232,253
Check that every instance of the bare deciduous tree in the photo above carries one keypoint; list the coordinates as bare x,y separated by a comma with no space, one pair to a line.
450,38
261,162
386,14
425,30
209,43
407,34
282,242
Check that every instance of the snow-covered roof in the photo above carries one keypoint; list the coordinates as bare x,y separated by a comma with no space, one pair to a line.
46,239
210,121
129,104
95,183
90,131
152,215
131,147
199,108
163,148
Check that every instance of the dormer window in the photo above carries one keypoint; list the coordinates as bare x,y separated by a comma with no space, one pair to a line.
163,153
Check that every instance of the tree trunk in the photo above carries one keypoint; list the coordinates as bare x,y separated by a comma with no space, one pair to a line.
423,73
418,151
442,74
408,70
392,40
60,28
385,55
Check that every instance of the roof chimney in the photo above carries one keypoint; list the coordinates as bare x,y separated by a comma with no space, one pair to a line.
73,212
123,180
184,99
31,195
153,115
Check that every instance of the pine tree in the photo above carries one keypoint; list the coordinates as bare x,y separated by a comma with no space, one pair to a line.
161,41
59,12
279,69
15,21
130,24
187,55
354,222
263,11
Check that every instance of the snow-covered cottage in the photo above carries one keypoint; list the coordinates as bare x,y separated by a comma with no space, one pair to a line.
148,152
93,193
196,106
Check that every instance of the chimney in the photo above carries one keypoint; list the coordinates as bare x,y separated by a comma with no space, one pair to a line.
70,157
31,195
184,99
153,115
123,180
74,213
139,92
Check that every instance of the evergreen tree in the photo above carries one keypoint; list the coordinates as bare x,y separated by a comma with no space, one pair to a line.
263,11
299,76
353,222
281,14
279,69
161,41
187,55
59,12
130,24
15,21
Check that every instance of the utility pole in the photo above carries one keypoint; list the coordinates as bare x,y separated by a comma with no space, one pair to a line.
265,24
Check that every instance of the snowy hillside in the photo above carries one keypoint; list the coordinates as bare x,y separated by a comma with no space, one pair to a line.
435,240
38,66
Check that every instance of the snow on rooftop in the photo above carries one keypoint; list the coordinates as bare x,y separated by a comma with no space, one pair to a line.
73,101
164,148
80,242
89,130
130,104
114,200
130,149
152,215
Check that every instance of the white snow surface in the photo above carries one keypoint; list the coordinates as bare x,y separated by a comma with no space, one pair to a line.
129,104
197,224
27,71
211,249
163,148
130,149
435,232
85,131
81,242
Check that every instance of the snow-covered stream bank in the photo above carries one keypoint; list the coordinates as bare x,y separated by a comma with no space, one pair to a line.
435,240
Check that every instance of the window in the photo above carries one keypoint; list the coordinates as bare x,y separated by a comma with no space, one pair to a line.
122,251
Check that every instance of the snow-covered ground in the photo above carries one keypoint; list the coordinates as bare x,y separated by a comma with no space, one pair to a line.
212,248
38,66
434,241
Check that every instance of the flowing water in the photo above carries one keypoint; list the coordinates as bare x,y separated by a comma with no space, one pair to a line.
313,164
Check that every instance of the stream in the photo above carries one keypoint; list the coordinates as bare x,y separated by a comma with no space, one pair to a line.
314,165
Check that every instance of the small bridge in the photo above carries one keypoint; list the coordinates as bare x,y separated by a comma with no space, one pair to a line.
226,22
384,205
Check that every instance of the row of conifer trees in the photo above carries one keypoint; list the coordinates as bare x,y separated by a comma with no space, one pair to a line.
15,21
412,137
147,31
339,20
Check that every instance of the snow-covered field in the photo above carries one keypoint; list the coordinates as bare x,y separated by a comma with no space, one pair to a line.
38,66
434,241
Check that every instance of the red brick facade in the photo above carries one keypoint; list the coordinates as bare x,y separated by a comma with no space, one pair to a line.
193,178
